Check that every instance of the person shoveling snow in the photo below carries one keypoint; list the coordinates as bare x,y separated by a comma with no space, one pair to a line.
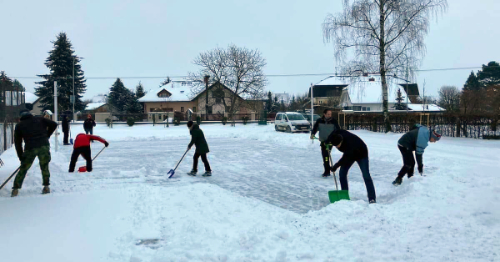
35,131
415,140
82,147
198,139
355,150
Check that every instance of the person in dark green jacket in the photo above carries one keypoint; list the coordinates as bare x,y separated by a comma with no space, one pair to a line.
198,139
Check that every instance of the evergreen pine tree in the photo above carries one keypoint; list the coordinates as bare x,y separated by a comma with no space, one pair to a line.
490,75
139,91
119,96
399,101
269,101
472,83
133,106
60,63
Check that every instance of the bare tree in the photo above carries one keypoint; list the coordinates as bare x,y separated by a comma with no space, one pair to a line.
449,98
383,36
238,68
333,101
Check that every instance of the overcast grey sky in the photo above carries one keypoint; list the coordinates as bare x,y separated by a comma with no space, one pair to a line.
161,38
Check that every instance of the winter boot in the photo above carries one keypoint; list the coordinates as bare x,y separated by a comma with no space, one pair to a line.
46,190
207,173
398,181
373,201
15,192
192,173
326,174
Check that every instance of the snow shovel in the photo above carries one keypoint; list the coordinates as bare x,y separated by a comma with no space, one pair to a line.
336,195
6,181
172,171
70,138
84,168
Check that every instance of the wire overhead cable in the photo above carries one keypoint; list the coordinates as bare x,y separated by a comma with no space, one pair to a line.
270,75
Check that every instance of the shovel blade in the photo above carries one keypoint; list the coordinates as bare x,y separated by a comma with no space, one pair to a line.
337,195
82,169
171,173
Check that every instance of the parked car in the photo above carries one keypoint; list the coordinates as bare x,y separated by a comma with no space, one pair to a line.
291,122
308,117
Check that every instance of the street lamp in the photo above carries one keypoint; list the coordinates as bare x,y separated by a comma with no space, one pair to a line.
74,94
206,97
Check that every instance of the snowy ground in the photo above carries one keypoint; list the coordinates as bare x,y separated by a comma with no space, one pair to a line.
265,202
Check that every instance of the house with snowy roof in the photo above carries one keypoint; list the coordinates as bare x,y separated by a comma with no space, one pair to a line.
365,95
327,92
177,96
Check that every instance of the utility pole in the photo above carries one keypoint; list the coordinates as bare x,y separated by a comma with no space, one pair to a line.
312,106
207,77
55,112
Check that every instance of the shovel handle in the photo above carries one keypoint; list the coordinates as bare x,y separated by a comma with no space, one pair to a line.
6,181
334,177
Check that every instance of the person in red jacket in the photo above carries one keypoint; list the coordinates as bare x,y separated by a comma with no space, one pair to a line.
82,147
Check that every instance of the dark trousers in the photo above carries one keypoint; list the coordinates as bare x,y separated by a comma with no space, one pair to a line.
204,159
364,165
89,131
86,154
408,163
326,158
66,135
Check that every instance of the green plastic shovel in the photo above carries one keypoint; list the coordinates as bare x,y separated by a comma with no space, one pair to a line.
336,195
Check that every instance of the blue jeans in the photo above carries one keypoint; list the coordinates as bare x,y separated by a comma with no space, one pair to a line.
364,165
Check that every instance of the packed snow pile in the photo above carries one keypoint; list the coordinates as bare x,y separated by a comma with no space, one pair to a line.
266,201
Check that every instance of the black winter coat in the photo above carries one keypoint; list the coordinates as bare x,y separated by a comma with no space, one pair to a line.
352,146
65,125
35,131
89,124
198,139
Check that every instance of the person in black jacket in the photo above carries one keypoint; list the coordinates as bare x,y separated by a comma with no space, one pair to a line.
89,124
354,150
65,128
198,139
35,132
325,125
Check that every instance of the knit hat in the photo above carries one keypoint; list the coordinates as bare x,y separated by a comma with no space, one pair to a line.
435,135
190,124
24,112
337,139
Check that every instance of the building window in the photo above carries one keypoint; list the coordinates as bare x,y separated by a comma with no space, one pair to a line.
320,102
194,109
227,108
367,109
363,109
218,100
356,108
182,109
152,109
209,110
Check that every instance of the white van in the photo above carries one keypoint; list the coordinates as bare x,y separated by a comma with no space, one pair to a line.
291,122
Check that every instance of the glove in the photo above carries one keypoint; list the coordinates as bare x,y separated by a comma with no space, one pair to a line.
189,148
328,147
106,144
420,169
312,137
335,167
